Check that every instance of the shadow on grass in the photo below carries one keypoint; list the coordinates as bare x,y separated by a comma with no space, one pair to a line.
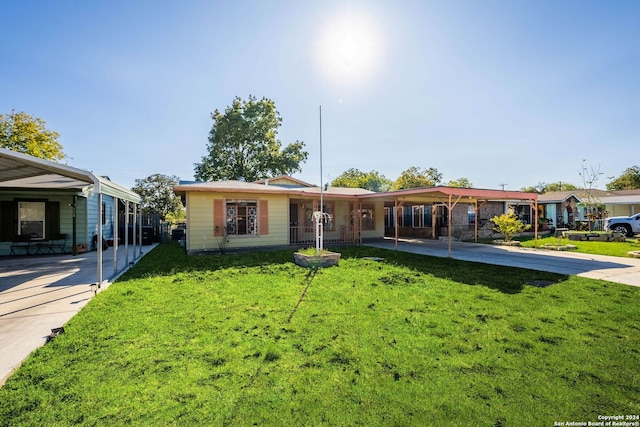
169,258
509,280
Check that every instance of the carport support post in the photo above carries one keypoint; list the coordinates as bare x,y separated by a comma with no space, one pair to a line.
133,229
140,233
74,232
116,203
450,207
99,239
126,232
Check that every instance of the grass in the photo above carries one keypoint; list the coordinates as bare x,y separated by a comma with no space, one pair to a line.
253,339
620,249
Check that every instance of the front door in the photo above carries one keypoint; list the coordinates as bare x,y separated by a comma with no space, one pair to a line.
293,223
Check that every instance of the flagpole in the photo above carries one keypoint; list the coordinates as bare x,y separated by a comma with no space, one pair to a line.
321,246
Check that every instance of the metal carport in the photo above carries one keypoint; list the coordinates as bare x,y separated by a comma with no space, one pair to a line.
450,196
21,171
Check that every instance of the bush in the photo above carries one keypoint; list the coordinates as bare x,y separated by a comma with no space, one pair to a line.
509,225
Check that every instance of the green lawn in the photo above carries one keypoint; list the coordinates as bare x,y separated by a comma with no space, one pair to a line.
620,249
253,339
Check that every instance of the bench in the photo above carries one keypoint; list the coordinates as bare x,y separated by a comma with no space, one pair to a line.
20,242
56,245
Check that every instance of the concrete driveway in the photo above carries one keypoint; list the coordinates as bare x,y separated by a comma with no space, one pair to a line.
39,293
612,269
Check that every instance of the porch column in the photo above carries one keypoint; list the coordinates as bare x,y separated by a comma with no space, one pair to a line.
434,222
395,219
475,228
140,233
126,232
99,240
116,204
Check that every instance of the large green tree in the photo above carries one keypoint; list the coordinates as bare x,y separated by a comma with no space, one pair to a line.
629,180
158,197
23,133
543,187
243,144
460,183
355,178
416,177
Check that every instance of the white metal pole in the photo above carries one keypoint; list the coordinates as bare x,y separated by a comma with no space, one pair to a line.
116,205
99,239
126,233
321,245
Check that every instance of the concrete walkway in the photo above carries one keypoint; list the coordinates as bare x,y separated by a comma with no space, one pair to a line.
612,269
39,293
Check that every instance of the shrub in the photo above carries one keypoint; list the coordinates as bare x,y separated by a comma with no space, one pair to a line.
509,225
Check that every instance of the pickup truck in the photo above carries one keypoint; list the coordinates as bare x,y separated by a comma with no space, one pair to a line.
627,225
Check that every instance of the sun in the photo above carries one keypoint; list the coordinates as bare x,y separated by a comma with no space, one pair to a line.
349,48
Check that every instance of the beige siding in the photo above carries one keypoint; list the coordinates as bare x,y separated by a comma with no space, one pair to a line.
622,210
200,230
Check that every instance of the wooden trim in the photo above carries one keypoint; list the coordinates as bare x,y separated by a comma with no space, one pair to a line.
218,217
263,214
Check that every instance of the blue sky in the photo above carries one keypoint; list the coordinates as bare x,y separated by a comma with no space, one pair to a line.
500,92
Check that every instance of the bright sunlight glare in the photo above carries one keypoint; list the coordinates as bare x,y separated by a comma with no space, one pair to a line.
349,48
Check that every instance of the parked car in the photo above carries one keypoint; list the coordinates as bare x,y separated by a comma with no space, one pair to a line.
627,225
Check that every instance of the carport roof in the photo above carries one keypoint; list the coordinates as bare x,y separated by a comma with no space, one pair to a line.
444,194
20,171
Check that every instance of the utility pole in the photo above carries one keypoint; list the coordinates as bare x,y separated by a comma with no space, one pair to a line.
502,185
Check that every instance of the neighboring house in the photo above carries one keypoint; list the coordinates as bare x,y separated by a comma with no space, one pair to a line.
279,212
41,200
561,207
621,202
566,208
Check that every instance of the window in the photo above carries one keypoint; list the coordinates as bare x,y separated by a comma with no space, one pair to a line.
242,217
471,214
418,216
31,219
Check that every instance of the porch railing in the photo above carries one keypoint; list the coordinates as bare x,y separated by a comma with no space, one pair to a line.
301,235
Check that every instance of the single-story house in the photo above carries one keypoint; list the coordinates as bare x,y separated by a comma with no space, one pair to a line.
43,201
621,202
280,212
566,208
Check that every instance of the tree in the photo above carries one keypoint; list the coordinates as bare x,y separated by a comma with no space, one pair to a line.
460,183
355,178
560,186
629,180
588,195
543,187
158,197
509,225
243,144
23,133
415,177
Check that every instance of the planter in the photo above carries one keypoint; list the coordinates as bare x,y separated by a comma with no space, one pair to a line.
326,259
560,247
507,243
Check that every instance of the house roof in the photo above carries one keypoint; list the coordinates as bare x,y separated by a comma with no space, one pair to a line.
616,199
604,196
289,180
415,195
557,196
21,171
255,188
